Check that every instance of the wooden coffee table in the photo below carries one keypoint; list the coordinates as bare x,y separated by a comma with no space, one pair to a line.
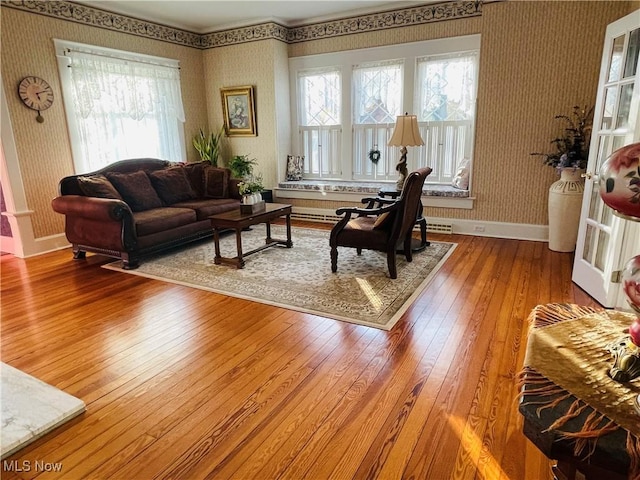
237,221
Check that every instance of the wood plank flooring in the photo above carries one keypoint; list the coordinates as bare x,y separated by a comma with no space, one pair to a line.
185,384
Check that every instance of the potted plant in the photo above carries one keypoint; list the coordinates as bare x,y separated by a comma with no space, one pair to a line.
250,189
241,166
209,145
565,195
572,148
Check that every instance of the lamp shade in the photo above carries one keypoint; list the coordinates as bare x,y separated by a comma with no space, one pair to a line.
406,133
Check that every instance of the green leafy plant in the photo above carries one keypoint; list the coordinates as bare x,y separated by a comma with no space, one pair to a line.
241,166
209,146
572,148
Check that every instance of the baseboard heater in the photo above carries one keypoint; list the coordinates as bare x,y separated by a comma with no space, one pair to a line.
328,218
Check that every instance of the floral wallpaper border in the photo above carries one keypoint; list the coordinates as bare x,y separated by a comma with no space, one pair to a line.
96,17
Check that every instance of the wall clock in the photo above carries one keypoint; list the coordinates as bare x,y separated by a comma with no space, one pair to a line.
36,94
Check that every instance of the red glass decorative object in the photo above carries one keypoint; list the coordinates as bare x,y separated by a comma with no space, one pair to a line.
631,287
620,181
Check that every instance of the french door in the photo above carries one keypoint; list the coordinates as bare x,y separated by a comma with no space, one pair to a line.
606,241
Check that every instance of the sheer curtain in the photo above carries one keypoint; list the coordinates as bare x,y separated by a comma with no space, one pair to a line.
121,108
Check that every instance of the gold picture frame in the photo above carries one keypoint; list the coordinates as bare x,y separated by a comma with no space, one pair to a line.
238,109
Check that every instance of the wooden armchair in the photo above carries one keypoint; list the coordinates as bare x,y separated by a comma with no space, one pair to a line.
385,228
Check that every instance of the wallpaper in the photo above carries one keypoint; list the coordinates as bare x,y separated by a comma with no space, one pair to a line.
537,60
44,150
258,64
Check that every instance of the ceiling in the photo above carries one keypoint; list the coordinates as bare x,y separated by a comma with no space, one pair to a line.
205,16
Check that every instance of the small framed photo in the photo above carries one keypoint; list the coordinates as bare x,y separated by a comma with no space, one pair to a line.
239,111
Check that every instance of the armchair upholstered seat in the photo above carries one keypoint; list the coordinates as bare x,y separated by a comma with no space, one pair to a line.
385,225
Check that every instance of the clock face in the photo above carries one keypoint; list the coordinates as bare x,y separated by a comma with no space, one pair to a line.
35,93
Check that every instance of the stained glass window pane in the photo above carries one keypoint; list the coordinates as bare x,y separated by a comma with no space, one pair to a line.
377,92
446,89
320,98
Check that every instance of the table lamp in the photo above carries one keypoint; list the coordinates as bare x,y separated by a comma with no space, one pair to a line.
405,134
620,190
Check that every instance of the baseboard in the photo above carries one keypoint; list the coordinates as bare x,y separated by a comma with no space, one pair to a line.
45,245
517,231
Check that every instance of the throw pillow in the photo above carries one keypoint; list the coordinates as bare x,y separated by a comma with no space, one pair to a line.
98,186
172,185
216,181
295,167
461,178
136,190
195,174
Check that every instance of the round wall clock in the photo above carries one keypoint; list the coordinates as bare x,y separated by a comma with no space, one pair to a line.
36,94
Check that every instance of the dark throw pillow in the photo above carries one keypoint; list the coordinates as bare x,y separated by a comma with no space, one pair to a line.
216,181
98,186
195,174
136,190
172,185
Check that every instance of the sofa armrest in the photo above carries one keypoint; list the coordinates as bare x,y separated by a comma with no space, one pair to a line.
104,209
98,222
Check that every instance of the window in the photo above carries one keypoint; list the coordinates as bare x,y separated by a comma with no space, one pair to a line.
377,95
120,105
320,124
363,91
445,107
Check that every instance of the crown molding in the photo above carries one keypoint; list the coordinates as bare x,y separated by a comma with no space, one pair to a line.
404,17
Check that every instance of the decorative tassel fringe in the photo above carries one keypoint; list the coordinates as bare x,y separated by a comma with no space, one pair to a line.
633,448
557,312
586,439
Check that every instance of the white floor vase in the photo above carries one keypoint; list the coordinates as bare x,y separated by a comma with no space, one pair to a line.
565,202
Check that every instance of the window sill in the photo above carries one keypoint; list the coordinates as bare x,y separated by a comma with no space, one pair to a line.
432,195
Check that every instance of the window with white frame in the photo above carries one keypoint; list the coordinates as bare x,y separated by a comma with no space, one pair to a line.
320,121
120,105
435,80
377,101
445,107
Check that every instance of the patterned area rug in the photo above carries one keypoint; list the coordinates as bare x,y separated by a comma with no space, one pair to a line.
300,278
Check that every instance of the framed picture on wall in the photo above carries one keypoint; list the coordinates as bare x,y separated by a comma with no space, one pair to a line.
239,111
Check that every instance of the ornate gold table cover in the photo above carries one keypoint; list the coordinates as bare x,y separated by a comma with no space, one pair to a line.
567,355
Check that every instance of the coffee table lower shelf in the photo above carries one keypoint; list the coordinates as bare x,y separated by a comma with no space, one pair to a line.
238,221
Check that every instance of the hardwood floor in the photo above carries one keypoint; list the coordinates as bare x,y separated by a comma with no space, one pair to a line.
186,384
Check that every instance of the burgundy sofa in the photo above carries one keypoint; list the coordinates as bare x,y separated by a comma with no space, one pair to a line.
136,207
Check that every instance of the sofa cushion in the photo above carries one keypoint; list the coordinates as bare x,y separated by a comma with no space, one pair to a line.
208,207
98,186
160,219
136,190
195,174
216,181
172,185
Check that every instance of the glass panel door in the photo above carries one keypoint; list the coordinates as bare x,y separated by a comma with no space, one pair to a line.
603,238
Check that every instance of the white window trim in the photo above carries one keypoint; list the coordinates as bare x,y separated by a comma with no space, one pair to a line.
65,78
346,61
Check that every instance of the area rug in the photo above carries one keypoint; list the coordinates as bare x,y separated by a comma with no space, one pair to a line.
300,278
31,408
